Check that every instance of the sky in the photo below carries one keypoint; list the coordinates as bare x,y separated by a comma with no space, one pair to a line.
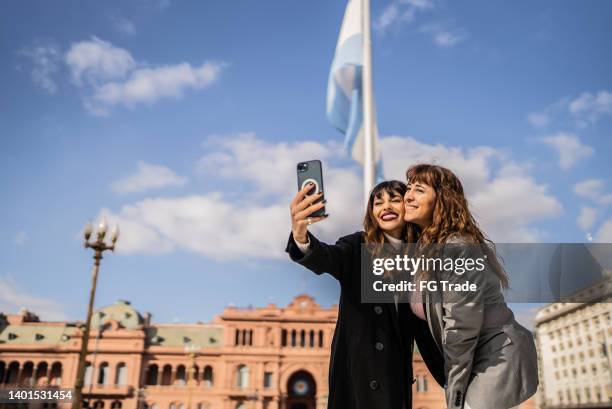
182,123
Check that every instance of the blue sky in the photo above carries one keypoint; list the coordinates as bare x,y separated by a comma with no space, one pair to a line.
183,121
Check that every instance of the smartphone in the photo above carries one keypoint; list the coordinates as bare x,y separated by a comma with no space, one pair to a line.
311,171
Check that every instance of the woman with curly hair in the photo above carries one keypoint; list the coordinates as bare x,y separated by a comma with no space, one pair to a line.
490,360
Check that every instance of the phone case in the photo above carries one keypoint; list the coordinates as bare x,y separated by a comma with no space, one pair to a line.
311,171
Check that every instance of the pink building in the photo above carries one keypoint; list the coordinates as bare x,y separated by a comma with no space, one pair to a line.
256,358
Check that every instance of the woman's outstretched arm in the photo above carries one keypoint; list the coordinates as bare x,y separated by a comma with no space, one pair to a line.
304,248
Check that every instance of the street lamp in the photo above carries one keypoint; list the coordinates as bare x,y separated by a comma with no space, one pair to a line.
99,246
191,350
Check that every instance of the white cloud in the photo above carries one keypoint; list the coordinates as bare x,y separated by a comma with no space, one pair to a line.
98,60
444,37
123,25
568,147
605,199
388,16
592,107
581,111
13,298
148,177
112,77
587,217
45,65
251,218
604,235
492,194
590,188
270,167
20,238
147,85
538,120
400,12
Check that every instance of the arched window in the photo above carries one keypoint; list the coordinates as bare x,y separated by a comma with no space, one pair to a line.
167,375
321,339
302,338
293,336
180,375
284,338
41,373
27,374
56,374
88,373
103,374
240,405
116,404
120,374
311,343
208,376
98,404
173,406
242,376
13,371
152,374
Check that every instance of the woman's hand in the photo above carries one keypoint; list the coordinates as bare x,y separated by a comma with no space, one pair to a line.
301,208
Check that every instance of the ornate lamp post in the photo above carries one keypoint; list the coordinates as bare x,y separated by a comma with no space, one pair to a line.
99,246
191,350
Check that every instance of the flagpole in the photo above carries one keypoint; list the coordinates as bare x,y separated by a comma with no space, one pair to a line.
369,164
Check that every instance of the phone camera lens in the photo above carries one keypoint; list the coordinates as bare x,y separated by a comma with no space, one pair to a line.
302,167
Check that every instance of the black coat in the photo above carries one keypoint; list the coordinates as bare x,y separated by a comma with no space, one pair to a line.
371,354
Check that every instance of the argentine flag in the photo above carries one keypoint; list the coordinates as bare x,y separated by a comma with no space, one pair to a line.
345,88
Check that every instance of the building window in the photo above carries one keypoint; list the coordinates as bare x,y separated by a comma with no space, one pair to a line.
120,374
312,336
152,374
56,374
321,339
208,376
103,374
166,375
284,337
267,380
180,375
242,376
88,373
116,404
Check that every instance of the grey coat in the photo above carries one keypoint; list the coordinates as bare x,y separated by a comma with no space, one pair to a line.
490,359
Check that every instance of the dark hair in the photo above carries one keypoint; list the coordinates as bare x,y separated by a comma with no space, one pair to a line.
373,232
451,214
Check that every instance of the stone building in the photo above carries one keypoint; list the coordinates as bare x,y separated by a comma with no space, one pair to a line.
245,358
574,341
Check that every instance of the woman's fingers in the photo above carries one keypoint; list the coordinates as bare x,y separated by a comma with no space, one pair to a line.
304,202
302,214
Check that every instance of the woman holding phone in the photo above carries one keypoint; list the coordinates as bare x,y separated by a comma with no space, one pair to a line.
490,360
371,356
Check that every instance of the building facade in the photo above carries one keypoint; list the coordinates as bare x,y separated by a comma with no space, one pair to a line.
245,358
574,341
